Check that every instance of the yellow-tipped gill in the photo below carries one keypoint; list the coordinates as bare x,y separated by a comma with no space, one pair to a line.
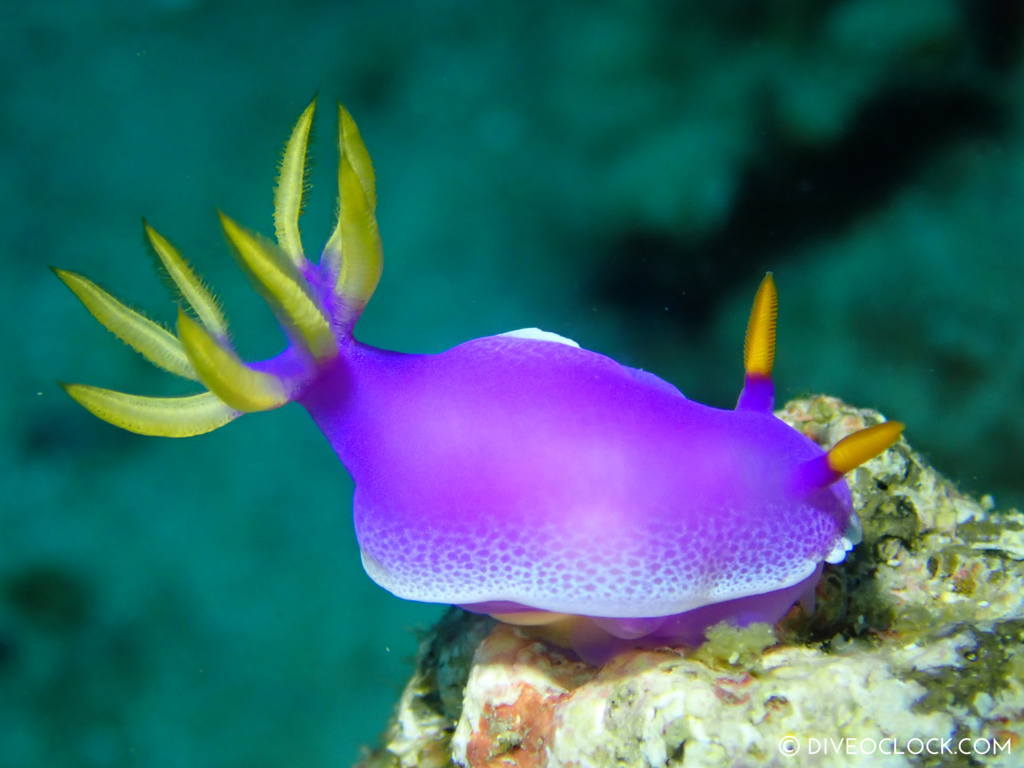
149,339
219,368
317,305
354,251
284,288
291,187
195,294
156,416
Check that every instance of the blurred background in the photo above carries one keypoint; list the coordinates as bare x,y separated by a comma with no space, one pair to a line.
620,172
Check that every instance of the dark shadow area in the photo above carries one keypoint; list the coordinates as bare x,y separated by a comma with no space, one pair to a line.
795,195
997,30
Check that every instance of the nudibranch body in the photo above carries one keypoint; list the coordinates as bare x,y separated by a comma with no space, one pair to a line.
518,475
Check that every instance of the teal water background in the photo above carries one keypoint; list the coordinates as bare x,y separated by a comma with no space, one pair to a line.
621,173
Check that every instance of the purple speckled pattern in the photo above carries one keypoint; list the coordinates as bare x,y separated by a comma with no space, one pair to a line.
534,474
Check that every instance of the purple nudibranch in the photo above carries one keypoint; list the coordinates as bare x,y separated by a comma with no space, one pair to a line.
517,475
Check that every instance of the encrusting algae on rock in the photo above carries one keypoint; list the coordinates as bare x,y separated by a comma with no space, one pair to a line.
910,657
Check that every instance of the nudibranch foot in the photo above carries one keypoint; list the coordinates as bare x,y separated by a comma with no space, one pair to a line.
595,639
517,474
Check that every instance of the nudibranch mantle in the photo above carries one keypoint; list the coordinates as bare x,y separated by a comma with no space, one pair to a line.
518,475
509,469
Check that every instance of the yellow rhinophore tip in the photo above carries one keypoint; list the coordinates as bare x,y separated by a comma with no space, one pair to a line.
759,344
855,449
241,387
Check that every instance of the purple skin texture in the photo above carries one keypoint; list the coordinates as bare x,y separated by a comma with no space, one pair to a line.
517,475
513,474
